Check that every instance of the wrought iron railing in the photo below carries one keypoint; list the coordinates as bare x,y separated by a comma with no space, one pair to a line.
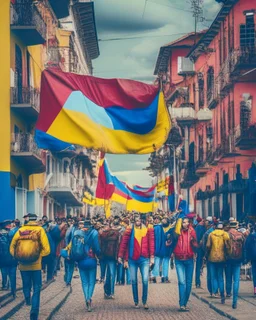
26,95
27,14
24,142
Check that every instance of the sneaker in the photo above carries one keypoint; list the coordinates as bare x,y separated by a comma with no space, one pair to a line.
234,306
68,284
89,305
106,296
136,305
112,297
187,308
182,309
215,296
146,307
222,300
163,279
154,280
28,301
228,296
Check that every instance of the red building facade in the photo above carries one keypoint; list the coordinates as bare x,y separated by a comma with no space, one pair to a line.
213,98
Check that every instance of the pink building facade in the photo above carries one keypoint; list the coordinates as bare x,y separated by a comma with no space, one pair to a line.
213,98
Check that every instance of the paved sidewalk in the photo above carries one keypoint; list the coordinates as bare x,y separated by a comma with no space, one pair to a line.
246,308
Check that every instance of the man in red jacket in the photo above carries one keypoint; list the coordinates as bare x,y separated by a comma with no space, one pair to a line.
185,241
137,248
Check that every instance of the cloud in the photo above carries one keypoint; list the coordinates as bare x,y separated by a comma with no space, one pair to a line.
135,177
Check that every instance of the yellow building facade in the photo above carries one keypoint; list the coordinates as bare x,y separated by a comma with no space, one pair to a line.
33,39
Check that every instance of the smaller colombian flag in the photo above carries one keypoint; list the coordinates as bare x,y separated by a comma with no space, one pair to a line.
112,115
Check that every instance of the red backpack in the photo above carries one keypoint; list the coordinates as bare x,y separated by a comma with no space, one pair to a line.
236,244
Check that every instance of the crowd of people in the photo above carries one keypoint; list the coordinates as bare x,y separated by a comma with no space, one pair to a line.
122,245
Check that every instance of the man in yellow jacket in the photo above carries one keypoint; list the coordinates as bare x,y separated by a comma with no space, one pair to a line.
28,246
218,246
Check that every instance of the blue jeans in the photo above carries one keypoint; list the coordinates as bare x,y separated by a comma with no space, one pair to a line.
109,286
11,272
50,268
29,279
184,269
88,280
69,270
165,267
103,268
254,273
142,264
199,264
217,277
233,275
209,279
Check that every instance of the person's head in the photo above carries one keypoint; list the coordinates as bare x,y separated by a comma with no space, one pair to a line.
157,219
137,221
165,222
234,224
208,221
81,224
185,224
26,219
32,217
44,219
17,223
220,225
116,221
226,225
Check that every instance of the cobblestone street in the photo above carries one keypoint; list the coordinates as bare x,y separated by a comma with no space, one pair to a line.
163,303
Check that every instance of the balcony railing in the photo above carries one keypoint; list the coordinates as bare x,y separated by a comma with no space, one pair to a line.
24,143
26,95
63,180
245,138
28,23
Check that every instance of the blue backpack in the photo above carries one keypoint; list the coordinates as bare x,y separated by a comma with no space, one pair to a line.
79,245
6,258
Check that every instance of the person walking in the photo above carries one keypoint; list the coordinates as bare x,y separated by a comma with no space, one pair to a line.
28,246
109,244
210,227
137,249
83,248
217,246
250,249
234,260
200,231
8,264
184,243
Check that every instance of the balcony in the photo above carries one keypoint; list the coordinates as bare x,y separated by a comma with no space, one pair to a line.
185,113
25,152
60,8
242,58
202,168
188,178
66,189
213,95
25,101
27,24
245,138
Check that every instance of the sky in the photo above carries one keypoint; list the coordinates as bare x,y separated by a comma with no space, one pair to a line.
143,27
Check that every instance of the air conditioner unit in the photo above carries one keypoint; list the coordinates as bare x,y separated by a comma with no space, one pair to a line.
185,66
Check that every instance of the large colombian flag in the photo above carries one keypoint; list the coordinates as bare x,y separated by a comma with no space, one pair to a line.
112,115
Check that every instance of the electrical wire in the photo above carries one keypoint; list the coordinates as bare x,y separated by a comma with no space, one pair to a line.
141,37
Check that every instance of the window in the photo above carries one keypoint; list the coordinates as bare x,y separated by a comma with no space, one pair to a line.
210,84
247,31
201,89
